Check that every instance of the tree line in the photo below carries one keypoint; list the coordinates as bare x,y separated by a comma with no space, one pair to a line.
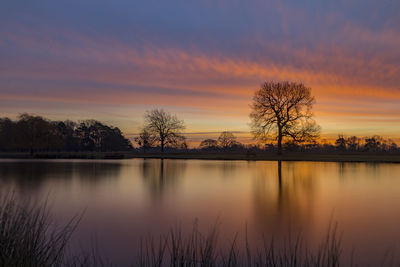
281,120
281,111
35,134
373,143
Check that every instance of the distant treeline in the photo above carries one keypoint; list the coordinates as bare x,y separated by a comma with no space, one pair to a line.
373,143
36,134
227,142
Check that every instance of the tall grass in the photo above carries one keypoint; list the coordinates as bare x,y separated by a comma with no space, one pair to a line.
28,235
29,238
195,249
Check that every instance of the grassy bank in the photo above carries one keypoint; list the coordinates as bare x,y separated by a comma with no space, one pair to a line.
305,156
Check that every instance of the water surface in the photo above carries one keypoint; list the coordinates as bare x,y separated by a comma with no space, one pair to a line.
125,200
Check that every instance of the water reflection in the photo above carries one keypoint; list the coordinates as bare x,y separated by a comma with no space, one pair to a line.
352,170
32,175
126,199
161,175
283,197
229,169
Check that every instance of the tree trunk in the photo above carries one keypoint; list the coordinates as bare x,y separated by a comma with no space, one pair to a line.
279,141
162,145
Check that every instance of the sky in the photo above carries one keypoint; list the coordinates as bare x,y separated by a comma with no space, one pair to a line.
202,60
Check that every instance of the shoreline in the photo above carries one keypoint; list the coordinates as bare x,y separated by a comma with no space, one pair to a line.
305,156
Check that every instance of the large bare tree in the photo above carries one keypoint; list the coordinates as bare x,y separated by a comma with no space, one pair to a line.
165,127
282,110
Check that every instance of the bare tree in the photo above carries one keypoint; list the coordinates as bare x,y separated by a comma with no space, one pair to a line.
165,127
282,110
226,139
145,140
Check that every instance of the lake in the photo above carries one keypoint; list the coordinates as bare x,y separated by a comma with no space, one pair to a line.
126,200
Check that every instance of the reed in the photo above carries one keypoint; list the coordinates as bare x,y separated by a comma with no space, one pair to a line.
195,250
29,236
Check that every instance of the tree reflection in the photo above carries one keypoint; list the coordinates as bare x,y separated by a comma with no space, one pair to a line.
229,169
30,176
283,199
160,175
353,170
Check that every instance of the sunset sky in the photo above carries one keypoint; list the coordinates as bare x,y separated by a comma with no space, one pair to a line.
203,60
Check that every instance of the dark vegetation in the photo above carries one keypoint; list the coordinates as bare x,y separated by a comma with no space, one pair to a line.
42,138
29,237
351,145
37,134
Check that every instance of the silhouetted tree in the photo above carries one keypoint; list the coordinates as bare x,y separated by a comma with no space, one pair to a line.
113,140
36,133
145,140
393,146
340,143
353,143
283,110
67,131
373,143
8,135
237,146
166,128
226,139
208,143
95,136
